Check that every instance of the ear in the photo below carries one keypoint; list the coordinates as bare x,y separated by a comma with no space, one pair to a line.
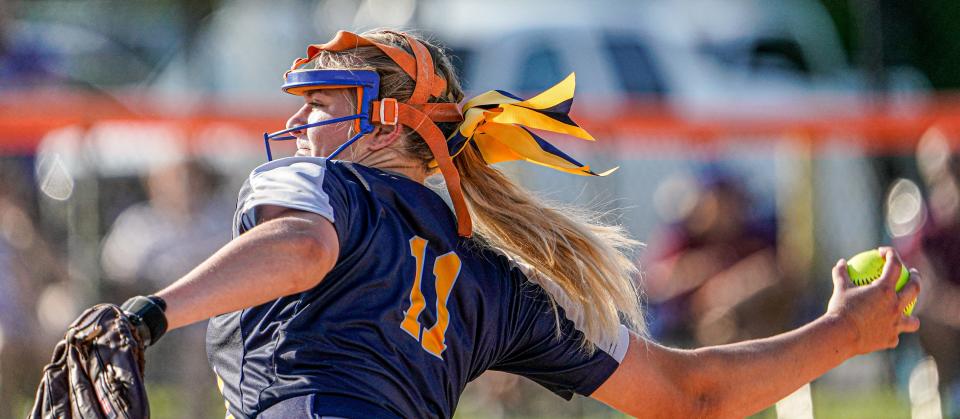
383,136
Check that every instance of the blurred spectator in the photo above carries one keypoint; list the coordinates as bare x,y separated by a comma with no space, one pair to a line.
26,266
934,248
181,224
714,276
153,243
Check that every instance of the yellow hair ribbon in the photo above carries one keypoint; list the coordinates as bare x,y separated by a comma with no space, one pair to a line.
500,124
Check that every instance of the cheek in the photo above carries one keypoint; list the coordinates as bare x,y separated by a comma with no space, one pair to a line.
325,138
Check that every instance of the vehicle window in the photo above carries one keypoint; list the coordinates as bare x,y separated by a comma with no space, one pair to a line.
540,68
778,54
762,55
634,65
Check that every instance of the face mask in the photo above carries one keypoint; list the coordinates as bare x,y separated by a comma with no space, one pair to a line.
298,82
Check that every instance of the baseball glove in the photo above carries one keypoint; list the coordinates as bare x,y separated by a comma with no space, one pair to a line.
96,370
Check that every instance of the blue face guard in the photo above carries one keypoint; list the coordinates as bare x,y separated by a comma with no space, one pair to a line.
299,82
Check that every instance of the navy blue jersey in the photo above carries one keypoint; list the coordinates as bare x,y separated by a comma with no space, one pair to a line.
409,314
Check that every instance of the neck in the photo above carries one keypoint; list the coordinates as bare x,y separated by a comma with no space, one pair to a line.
391,160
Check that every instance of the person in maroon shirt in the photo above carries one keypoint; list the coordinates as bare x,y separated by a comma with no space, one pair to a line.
714,276
934,248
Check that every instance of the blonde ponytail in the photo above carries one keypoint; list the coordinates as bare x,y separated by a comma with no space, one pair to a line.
568,246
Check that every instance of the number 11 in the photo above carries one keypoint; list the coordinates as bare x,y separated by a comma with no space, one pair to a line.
446,269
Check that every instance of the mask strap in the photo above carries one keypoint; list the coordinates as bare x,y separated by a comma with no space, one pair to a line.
427,82
348,40
418,66
436,112
419,122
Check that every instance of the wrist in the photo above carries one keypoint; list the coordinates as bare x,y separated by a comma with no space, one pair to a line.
847,332
147,316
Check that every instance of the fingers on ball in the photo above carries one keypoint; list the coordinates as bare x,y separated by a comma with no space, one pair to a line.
891,266
909,293
840,274
909,324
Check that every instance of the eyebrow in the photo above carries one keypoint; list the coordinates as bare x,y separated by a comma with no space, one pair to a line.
314,100
319,93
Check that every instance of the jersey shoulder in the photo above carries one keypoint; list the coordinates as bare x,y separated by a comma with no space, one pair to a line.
310,184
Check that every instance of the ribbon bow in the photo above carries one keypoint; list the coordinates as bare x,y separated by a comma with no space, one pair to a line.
499,124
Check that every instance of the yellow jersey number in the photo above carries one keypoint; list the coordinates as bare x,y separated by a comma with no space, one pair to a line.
446,269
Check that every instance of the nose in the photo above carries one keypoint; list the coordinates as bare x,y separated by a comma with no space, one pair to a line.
298,119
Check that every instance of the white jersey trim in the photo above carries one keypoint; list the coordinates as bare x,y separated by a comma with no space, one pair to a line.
292,182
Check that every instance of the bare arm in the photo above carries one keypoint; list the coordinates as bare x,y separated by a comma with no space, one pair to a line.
740,379
290,252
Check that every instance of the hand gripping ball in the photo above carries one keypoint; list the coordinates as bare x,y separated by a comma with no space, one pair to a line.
867,266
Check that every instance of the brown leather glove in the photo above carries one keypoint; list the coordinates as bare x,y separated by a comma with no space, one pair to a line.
96,371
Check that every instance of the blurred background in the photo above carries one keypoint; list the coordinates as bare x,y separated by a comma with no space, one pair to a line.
758,142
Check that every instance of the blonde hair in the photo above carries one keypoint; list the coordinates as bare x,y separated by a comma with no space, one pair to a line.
568,247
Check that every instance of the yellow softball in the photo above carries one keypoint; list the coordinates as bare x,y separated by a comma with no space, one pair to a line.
867,266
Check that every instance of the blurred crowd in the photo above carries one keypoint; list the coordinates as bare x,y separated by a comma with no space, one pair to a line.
145,245
713,277
931,242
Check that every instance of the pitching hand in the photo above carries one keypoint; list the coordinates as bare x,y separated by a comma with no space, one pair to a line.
874,312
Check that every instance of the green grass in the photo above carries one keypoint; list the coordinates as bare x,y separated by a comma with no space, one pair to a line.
165,402
828,404
881,404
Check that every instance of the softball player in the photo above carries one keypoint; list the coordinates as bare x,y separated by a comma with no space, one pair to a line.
353,290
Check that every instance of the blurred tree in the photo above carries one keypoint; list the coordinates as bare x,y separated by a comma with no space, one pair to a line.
922,34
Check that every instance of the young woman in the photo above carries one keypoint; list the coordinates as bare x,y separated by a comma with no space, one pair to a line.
353,290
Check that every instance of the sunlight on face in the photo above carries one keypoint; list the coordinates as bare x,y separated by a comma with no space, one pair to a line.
323,105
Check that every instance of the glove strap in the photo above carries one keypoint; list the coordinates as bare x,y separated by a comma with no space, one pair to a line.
147,315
